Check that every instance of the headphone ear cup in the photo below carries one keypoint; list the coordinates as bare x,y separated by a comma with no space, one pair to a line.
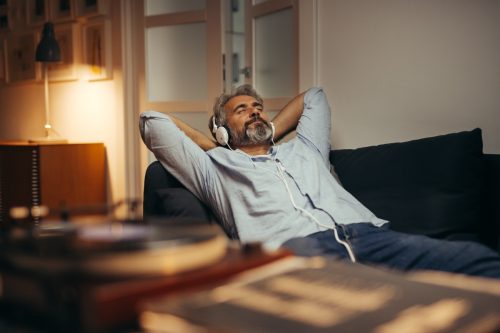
220,133
222,136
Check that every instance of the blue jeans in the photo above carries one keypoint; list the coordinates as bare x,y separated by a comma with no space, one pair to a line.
384,247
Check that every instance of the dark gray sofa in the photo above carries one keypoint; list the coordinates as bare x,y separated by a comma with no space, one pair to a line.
443,187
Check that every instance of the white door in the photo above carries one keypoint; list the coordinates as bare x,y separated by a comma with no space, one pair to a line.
182,56
261,47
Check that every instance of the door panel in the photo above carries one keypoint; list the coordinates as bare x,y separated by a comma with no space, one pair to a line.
177,69
271,49
182,55
156,7
274,59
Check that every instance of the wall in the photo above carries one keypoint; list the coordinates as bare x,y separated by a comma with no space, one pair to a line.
396,70
81,111
393,70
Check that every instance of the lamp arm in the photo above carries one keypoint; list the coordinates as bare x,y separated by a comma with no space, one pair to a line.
47,111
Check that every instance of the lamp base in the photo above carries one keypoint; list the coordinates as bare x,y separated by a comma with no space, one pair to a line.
48,140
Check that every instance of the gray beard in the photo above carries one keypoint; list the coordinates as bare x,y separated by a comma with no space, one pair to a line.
259,134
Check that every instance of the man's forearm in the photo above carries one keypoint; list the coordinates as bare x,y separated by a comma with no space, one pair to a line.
203,141
288,118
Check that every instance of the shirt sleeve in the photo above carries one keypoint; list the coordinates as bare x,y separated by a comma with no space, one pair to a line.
176,152
315,123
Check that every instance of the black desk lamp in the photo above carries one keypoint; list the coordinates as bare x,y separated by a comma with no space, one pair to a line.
48,50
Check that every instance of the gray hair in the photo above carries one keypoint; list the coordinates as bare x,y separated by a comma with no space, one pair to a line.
219,110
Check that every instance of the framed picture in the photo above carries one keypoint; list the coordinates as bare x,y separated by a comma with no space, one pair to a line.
5,22
37,12
67,38
92,7
17,14
97,49
61,10
2,61
20,53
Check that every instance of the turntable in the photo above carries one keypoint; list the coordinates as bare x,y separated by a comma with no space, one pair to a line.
90,276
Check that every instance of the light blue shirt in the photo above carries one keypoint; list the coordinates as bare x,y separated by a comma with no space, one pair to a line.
248,194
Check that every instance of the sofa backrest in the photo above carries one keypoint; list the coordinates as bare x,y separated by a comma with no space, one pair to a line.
438,186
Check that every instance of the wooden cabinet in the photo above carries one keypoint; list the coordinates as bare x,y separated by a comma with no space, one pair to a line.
54,175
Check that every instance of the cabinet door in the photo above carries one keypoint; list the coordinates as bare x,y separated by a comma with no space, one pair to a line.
73,176
69,175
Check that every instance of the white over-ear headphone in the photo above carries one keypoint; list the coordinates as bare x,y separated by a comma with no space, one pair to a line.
222,135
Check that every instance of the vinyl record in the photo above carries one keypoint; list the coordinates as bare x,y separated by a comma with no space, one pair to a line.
115,248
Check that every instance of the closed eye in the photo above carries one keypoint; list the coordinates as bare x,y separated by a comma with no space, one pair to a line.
258,106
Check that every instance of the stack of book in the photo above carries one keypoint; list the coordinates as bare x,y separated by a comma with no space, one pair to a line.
321,295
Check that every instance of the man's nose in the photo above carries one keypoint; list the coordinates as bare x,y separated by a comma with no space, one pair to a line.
255,112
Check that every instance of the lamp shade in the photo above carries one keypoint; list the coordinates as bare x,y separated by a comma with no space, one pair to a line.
48,49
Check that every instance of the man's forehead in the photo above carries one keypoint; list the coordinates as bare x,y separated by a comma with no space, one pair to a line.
241,99
235,101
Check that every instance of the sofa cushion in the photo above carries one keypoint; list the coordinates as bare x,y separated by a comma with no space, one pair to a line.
429,186
179,202
156,179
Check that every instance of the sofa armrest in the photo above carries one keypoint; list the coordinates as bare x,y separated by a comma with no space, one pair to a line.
490,201
166,197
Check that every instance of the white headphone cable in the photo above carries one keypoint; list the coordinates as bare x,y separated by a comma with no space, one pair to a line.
281,169
281,176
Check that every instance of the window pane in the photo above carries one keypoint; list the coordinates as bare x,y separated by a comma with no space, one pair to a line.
156,7
235,44
274,54
176,63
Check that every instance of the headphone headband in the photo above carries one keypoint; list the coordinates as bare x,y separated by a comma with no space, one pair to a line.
214,125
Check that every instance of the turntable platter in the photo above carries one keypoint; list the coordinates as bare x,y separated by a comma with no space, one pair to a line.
117,248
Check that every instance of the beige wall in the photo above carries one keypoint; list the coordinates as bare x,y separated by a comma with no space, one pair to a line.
81,111
395,70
